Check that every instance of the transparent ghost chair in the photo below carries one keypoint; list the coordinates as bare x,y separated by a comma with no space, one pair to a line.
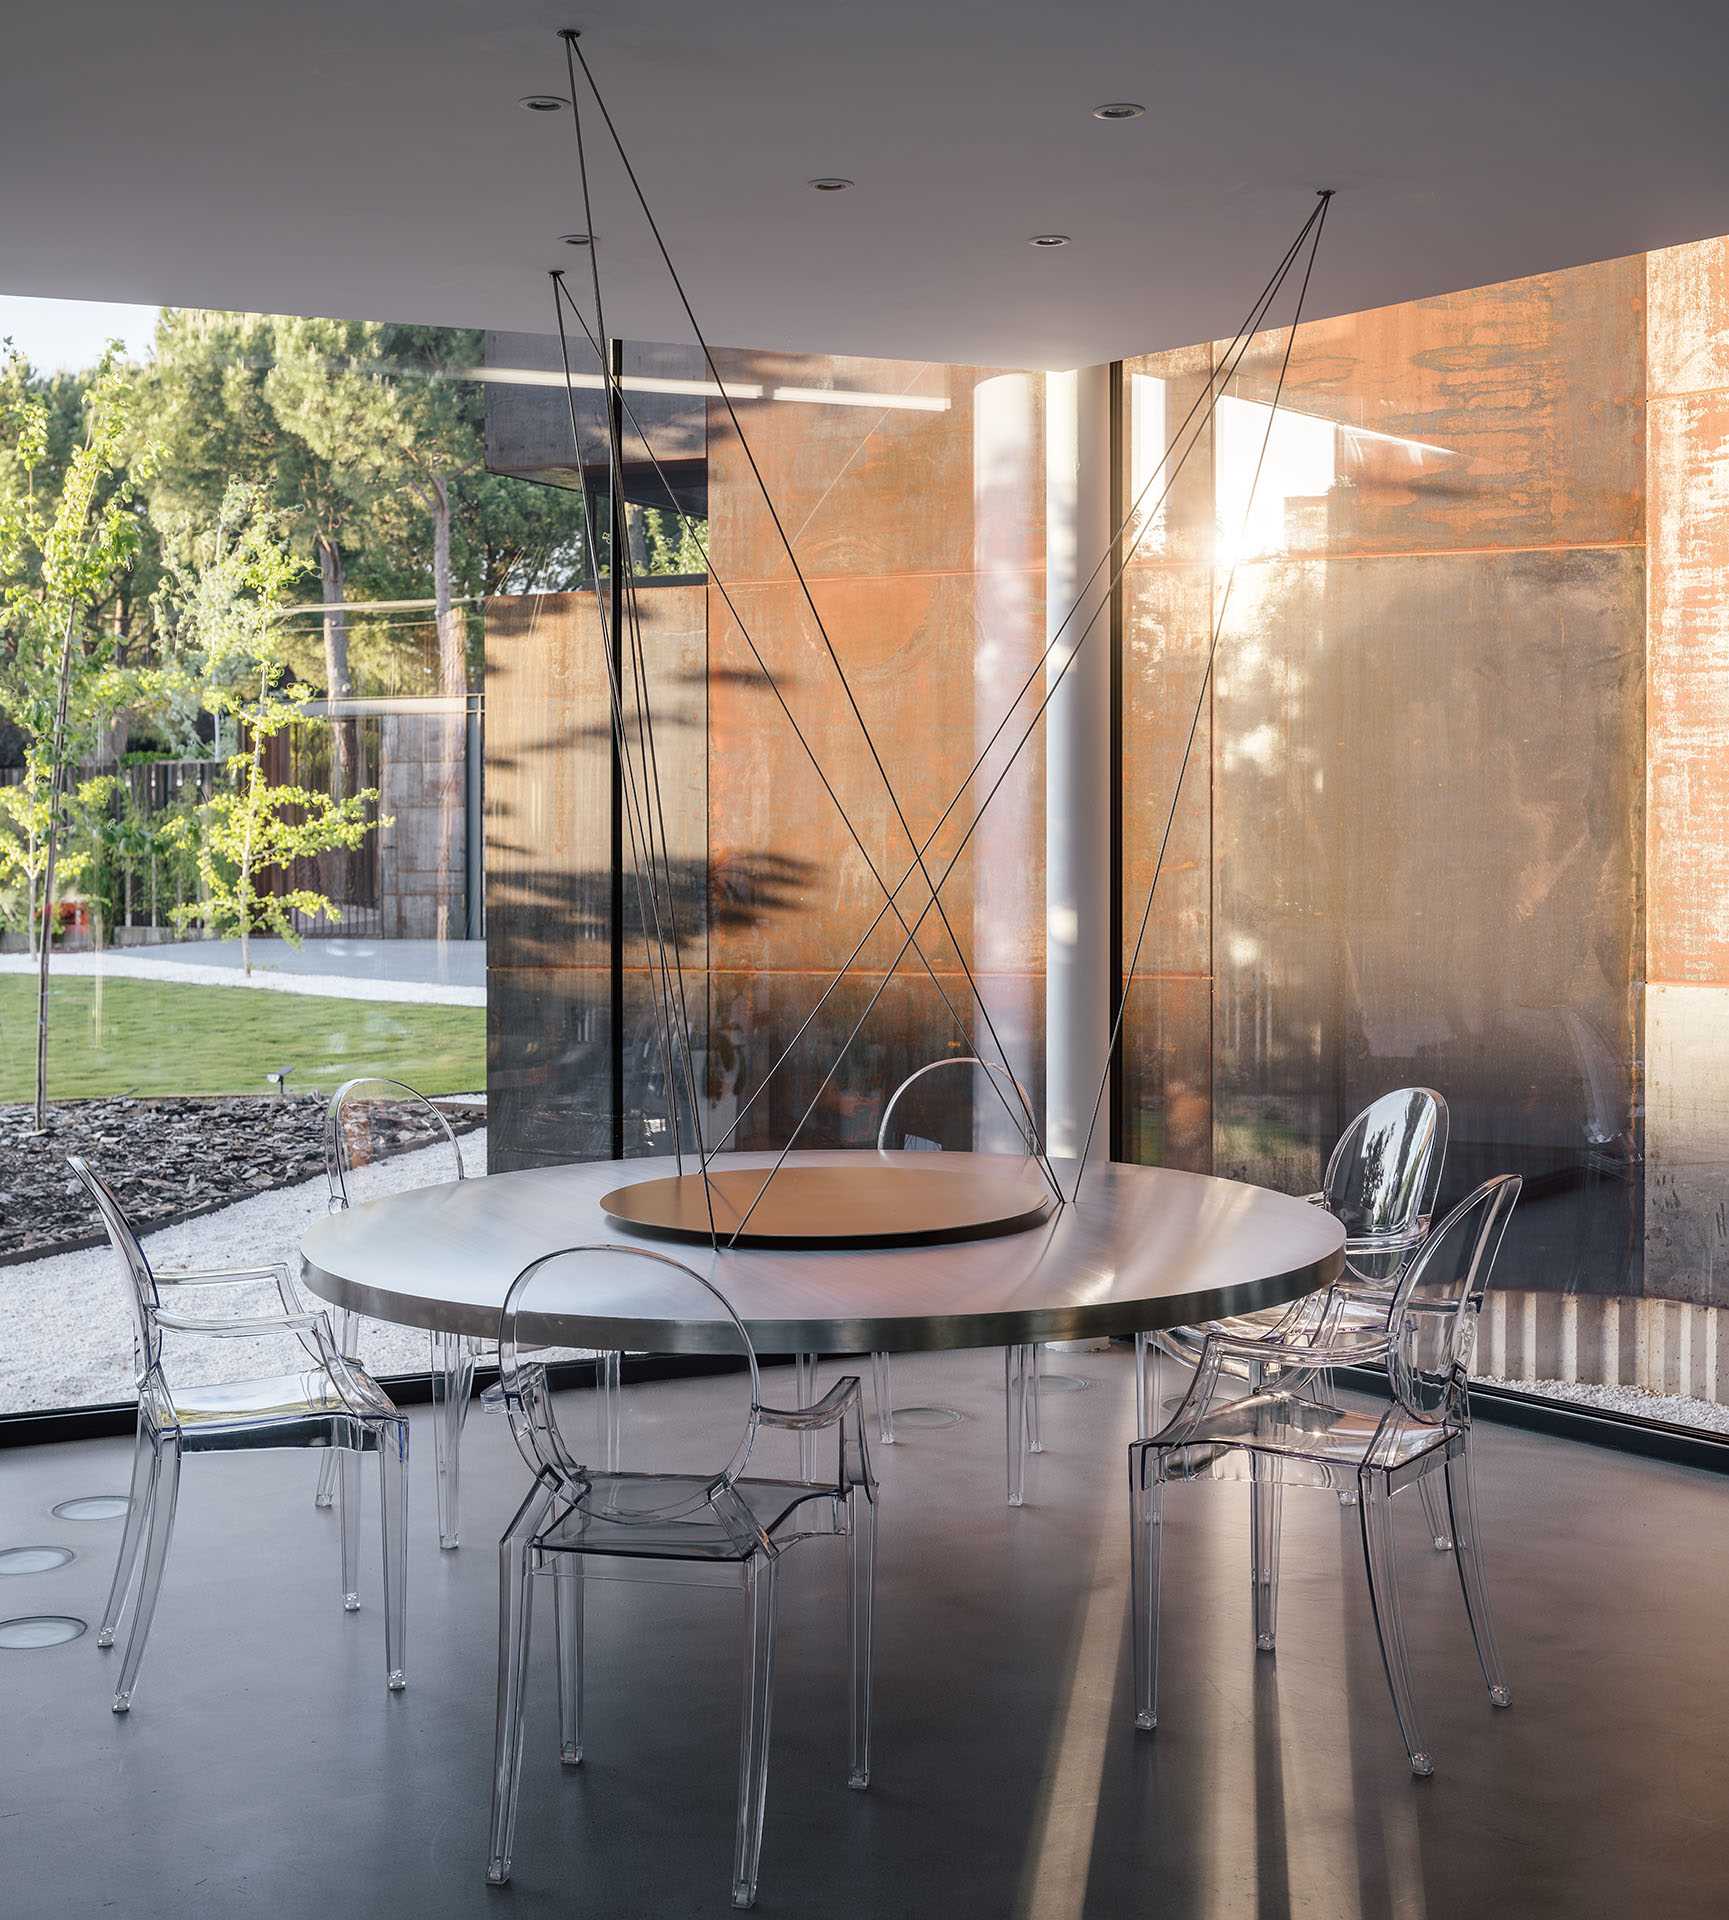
369,1123
998,1120
329,1402
1259,1410
682,1511
1381,1181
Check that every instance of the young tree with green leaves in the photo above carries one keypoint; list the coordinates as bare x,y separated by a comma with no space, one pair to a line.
62,549
220,611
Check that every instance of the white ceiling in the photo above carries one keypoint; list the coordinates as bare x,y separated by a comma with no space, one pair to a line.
367,158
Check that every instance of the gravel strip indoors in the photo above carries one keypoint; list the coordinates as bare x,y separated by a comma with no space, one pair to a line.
1639,1402
68,1330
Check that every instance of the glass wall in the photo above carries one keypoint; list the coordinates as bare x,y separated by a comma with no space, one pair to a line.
911,497
271,778
1456,812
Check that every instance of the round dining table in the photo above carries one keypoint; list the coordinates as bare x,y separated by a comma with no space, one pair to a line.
1141,1249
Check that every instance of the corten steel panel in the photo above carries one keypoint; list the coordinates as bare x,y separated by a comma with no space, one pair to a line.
910,649
548,867
758,1013
861,491
1689,687
1167,453
1428,830
1687,1144
1687,318
921,533
1534,389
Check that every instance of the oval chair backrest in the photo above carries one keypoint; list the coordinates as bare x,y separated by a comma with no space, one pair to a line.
1000,1075
1383,1176
1433,1320
652,1304
369,1121
141,1292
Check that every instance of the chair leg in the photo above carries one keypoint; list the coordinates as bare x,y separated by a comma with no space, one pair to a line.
1146,1364
804,1379
1467,1550
137,1511
1375,1510
753,1733
1035,1435
568,1585
348,1522
164,1495
882,1382
393,1525
1015,1421
1146,1516
326,1494
346,1343
608,1383
861,1629
515,1619
1266,1502
1435,1511
452,1389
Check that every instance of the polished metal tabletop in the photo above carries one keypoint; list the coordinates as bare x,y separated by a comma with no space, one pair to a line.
1145,1247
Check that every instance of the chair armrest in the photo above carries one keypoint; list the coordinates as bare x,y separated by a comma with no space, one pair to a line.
276,1271
1311,1355
831,1408
247,1325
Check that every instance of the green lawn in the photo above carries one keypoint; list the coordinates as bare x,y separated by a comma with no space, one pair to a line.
136,1036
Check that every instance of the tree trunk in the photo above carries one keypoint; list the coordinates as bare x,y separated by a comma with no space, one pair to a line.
57,754
333,580
452,628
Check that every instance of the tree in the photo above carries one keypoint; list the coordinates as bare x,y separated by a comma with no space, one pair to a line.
61,553
219,611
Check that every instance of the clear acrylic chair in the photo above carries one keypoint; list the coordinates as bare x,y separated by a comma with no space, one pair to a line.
1381,1181
1005,1114
1261,1410
368,1123
683,1512
330,1403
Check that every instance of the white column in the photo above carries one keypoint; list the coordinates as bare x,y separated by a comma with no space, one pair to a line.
1008,490
1078,769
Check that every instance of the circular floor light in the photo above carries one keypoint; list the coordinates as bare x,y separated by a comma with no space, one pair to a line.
39,1630
1048,240
543,103
93,1506
1119,110
831,183
33,1559
577,239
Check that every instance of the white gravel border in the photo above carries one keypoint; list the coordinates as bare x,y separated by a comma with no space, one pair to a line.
1675,1409
67,1338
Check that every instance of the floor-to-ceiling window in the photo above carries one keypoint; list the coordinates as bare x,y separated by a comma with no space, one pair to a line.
1454,814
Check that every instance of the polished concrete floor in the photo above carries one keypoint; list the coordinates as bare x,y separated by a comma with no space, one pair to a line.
264,1769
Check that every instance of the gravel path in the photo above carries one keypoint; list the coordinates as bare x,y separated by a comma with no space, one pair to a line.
1640,1402
68,1331
126,964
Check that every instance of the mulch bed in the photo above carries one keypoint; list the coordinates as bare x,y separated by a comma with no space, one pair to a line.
167,1160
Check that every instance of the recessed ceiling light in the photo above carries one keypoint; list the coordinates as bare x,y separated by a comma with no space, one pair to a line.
1048,240
576,239
543,102
1119,110
831,183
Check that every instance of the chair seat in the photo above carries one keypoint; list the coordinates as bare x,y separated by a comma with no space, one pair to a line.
1360,1325
1296,1428
601,1522
283,1409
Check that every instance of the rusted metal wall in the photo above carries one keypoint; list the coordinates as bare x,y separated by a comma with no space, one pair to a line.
1687,1012
919,530
1424,751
